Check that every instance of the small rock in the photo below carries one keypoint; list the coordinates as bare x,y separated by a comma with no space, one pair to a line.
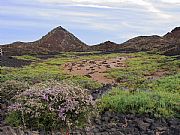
8,131
161,128
106,119
142,125
89,76
113,129
148,120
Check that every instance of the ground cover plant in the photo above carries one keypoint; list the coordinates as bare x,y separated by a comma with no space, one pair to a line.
143,69
52,106
27,57
168,84
85,82
150,84
156,104
147,84
10,88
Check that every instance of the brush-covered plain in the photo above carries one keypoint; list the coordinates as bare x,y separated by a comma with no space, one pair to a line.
148,84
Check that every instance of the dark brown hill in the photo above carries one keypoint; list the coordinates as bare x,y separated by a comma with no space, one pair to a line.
168,44
106,46
58,40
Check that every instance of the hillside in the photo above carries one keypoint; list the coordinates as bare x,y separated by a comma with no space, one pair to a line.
168,44
57,40
60,40
106,46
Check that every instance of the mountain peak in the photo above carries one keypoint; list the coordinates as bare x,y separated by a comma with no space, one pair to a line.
177,29
59,28
57,40
108,42
175,33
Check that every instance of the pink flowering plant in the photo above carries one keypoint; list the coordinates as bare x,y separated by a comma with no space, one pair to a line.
52,106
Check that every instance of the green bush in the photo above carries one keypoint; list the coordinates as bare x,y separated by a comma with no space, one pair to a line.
158,104
27,57
34,73
10,88
51,106
85,82
140,69
168,84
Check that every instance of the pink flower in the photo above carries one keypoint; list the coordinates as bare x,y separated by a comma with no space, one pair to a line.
45,97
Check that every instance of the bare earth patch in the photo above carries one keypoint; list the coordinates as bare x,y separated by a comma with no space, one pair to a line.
95,69
157,74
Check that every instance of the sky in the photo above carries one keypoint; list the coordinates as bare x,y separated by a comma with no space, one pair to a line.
92,21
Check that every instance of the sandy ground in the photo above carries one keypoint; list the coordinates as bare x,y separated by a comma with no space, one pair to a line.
95,69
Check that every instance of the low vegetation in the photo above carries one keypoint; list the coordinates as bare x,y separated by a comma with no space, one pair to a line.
143,69
51,106
85,82
156,104
148,84
11,88
168,84
27,57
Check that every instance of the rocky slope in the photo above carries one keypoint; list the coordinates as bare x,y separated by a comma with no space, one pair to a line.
168,44
60,40
106,46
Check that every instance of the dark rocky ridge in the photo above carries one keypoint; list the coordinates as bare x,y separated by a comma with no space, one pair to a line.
168,44
60,40
106,46
13,62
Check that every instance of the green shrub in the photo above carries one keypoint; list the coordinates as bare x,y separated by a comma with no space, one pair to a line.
10,88
27,57
154,103
34,73
51,105
85,82
142,65
168,84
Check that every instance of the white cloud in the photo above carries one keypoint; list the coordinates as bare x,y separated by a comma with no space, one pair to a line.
115,4
171,1
119,19
93,6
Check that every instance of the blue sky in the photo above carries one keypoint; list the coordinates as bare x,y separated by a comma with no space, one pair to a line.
92,21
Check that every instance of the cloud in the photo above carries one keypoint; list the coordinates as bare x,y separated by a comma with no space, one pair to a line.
115,4
171,1
93,6
115,20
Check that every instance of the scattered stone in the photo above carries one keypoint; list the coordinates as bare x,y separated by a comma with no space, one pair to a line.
91,73
92,62
7,130
161,128
89,76
108,66
148,120
142,125
78,68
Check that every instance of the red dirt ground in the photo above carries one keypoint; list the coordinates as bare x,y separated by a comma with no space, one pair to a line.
95,69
